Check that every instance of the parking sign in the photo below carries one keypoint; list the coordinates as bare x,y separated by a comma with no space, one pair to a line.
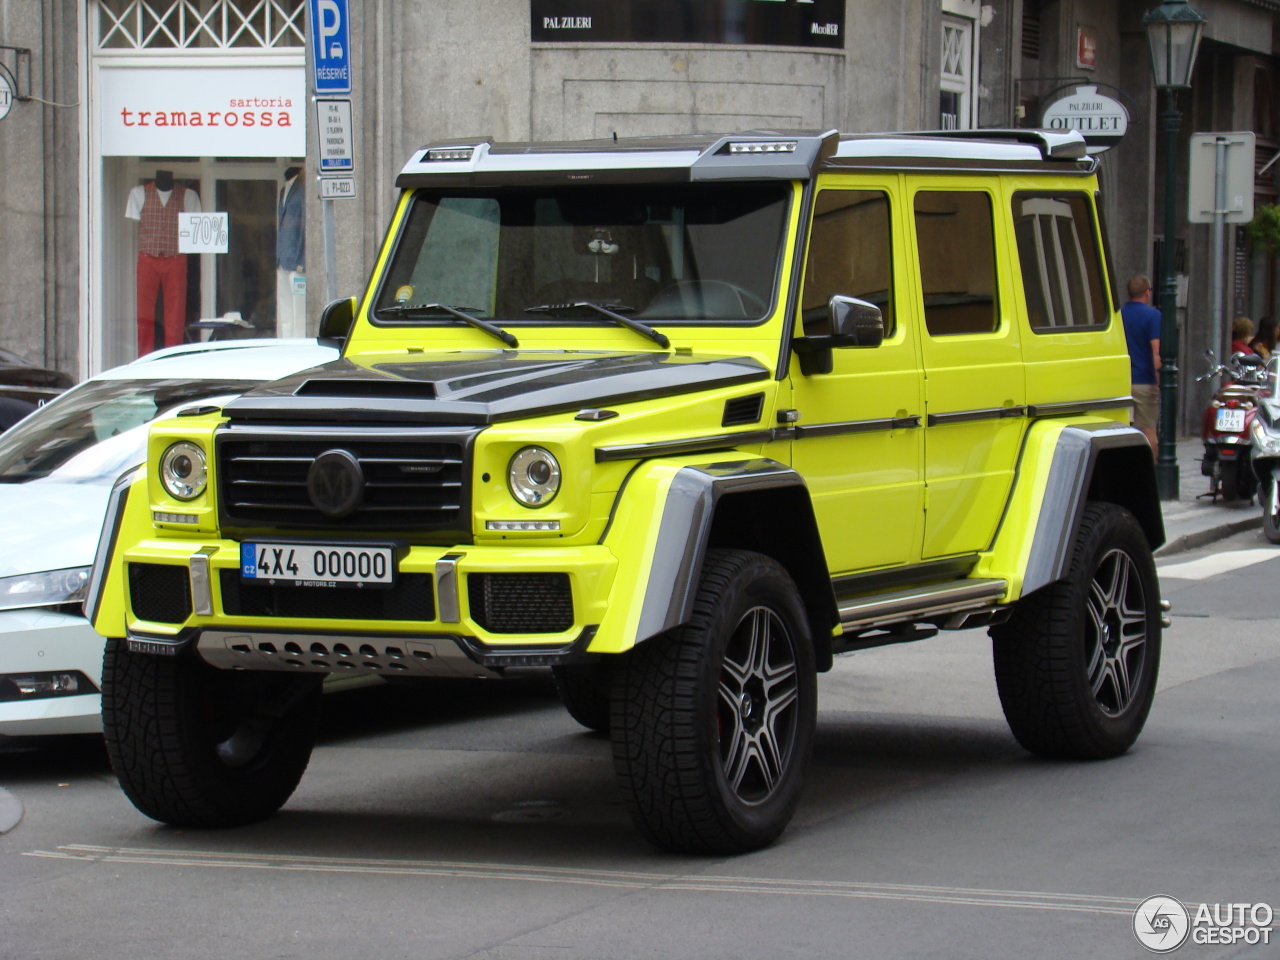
330,46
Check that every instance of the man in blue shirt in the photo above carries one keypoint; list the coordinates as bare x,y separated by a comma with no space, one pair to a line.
1142,332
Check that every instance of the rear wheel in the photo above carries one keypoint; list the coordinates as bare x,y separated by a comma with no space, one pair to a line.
1270,497
198,747
584,690
713,723
1076,664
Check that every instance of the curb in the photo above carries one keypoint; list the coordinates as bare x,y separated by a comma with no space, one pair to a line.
10,811
1198,538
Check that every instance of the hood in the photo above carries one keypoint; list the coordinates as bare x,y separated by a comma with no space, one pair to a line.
49,526
485,387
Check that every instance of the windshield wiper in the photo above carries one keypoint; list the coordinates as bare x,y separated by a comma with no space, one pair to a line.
563,309
428,309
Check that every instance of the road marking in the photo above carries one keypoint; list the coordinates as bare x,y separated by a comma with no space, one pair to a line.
1216,563
623,879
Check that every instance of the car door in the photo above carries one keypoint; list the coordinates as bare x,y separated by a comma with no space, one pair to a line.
975,388
858,439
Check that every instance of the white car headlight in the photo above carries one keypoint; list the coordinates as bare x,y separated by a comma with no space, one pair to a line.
50,588
183,471
534,476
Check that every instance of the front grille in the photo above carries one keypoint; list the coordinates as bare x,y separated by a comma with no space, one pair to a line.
159,592
412,483
521,602
409,599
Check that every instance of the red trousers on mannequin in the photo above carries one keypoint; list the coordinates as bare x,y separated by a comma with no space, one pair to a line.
167,274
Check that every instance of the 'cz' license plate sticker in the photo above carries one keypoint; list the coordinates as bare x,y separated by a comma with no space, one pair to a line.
1229,420
318,564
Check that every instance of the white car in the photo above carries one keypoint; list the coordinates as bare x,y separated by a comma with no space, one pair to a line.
57,467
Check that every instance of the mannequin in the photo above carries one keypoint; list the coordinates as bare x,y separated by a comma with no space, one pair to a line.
162,270
291,237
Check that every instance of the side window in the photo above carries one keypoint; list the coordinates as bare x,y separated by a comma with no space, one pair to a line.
1059,257
956,240
850,253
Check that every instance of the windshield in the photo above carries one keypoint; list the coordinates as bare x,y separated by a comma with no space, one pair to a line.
657,252
96,431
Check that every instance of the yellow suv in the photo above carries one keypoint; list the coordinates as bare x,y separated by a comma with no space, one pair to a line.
681,419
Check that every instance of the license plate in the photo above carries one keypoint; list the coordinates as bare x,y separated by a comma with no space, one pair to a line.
318,564
1230,421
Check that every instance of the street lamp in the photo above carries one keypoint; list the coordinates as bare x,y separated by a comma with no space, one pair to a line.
1174,30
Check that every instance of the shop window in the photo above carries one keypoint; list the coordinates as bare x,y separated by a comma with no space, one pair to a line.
210,24
956,241
1061,267
850,253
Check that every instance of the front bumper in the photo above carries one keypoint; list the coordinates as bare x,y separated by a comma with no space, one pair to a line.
448,628
47,641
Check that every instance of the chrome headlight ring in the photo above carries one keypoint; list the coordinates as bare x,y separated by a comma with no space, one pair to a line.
533,475
183,470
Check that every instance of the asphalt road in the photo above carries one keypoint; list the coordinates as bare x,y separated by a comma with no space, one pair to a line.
479,821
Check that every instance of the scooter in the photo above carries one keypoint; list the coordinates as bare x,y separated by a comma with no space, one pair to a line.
1264,434
1225,427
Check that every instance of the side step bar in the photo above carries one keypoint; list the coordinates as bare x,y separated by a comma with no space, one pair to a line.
921,603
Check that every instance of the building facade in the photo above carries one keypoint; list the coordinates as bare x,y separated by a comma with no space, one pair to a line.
129,116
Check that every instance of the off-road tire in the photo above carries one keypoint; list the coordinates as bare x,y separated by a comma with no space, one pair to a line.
1071,689
584,688
197,747
706,702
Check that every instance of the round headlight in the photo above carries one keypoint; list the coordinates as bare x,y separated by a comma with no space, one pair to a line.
534,477
182,471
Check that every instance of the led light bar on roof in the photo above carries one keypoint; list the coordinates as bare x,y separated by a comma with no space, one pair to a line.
449,153
764,146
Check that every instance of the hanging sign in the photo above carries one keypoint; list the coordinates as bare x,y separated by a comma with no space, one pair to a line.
6,94
1103,120
203,112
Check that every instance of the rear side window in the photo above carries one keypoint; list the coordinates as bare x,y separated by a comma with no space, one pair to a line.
956,240
850,253
1061,266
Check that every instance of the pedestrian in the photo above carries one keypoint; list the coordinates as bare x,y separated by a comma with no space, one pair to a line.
1241,334
1264,341
1142,333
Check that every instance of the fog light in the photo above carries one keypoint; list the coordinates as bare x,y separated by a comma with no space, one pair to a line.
39,686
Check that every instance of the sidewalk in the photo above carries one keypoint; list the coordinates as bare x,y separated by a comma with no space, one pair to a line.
1190,522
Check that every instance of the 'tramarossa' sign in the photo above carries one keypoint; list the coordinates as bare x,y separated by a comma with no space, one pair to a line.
190,112
1101,119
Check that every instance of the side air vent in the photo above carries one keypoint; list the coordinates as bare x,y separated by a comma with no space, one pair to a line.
743,410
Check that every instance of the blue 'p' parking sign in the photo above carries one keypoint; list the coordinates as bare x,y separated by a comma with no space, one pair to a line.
330,46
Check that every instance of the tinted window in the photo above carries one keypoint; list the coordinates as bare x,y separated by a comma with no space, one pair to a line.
956,240
1058,256
850,253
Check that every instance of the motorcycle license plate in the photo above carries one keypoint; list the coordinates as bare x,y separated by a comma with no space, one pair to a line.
318,564
1230,421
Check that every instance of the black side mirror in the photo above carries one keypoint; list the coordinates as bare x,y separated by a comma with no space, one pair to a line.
337,319
853,323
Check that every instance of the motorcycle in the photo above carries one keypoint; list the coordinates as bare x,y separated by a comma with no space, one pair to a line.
1264,434
1226,425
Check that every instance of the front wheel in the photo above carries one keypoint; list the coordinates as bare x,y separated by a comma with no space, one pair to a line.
1270,497
713,723
197,747
1076,664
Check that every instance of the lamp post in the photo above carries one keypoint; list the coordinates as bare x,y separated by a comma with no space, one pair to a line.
1174,30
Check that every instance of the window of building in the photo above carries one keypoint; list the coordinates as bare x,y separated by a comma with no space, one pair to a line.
955,237
850,253
958,99
1061,266
206,24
